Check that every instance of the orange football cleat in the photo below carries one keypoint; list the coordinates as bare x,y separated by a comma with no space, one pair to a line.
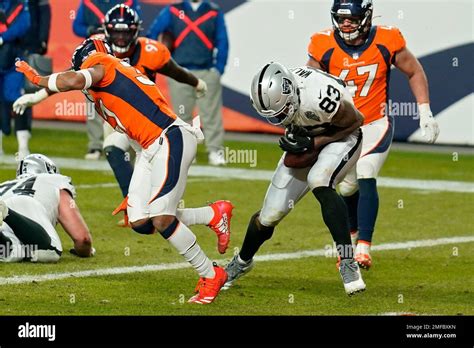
362,254
207,289
220,223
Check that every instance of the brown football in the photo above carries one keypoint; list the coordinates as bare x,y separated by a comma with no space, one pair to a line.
301,160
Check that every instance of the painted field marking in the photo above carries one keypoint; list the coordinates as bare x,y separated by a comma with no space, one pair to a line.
261,258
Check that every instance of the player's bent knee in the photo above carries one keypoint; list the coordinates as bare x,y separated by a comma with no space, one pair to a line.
45,256
347,189
143,226
163,222
270,218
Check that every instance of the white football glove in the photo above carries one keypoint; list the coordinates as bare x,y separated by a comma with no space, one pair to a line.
201,88
429,126
28,100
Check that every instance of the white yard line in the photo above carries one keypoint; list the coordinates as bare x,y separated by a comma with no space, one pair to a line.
114,184
261,258
264,175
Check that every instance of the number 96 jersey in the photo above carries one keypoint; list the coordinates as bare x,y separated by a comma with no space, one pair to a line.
320,97
43,188
365,69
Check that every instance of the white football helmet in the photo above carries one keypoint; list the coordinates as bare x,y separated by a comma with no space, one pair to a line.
36,164
274,94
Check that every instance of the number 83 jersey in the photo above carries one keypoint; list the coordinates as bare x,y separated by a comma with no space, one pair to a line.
43,188
365,68
320,97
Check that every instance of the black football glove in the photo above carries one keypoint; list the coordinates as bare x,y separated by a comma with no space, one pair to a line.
295,143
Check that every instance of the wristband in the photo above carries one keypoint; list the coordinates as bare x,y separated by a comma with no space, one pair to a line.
87,75
52,82
424,110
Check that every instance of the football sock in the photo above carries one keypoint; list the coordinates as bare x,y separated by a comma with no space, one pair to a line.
256,235
195,216
28,231
184,241
23,137
352,203
336,218
122,168
368,208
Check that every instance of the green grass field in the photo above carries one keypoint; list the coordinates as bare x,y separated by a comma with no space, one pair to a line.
429,280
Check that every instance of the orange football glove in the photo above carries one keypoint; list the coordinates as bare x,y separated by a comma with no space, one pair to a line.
122,207
30,73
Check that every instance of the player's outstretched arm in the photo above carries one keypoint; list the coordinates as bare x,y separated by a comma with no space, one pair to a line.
178,73
412,68
65,81
346,120
71,220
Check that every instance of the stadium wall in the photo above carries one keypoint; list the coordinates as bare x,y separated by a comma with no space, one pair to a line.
439,33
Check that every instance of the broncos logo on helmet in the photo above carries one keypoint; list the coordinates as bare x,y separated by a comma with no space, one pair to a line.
88,47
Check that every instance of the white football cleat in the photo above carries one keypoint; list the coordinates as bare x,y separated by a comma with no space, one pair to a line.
351,277
216,158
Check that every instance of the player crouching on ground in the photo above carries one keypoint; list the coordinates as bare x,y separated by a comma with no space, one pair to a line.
132,104
30,207
322,143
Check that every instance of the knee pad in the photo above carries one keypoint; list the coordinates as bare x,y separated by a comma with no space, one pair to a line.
116,139
145,228
347,189
45,256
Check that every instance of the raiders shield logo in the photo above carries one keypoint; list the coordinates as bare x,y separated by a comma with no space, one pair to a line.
286,86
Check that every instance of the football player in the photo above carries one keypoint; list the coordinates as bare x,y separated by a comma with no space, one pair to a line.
362,54
132,104
322,143
30,207
121,28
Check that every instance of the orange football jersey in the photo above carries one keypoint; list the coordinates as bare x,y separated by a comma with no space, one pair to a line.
149,56
129,101
365,68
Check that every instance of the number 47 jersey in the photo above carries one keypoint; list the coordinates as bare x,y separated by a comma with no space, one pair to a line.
365,68
43,188
320,95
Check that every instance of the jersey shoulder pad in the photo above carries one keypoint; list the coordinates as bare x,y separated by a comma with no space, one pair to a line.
154,54
59,181
320,43
391,37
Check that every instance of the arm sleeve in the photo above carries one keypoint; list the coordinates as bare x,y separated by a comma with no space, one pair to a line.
44,21
160,23
79,26
19,26
222,43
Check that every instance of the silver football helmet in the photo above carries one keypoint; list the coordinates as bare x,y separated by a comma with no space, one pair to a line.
36,164
274,94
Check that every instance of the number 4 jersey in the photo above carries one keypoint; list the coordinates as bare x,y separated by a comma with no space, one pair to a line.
320,97
365,68
44,188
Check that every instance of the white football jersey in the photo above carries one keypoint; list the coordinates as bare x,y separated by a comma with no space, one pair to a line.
320,96
44,188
